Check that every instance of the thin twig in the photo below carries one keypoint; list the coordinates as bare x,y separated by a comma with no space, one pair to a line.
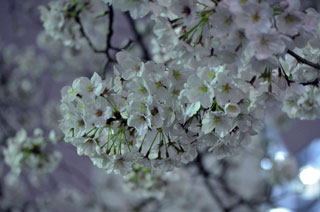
285,76
314,82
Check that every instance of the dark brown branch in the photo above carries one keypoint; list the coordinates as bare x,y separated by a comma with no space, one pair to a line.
110,33
138,37
303,60
252,204
110,29
314,83
285,75
84,34
202,171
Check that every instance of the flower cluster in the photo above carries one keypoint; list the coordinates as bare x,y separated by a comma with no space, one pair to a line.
157,191
61,19
27,66
224,71
156,115
236,31
31,153
58,23
303,101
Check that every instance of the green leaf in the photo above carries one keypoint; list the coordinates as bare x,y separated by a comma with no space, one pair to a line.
74,2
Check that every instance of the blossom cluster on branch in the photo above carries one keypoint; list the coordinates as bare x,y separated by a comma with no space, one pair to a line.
173,95
31,154
228,61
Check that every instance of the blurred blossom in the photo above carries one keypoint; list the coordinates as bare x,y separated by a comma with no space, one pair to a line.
309,175
280,210
266,164
280,156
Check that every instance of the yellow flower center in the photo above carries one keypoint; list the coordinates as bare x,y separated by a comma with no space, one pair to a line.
142,107
217,120
226,88
142,89
90,88
256,17
203,89
264,42
228,20
175,93
136,68
176,74
289,18
159,84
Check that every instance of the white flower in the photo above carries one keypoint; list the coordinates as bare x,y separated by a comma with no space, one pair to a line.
236,6
223,21
137,8
192,109
266,45
197,90
184,9
73,124
129,65
30,153
140,123
222,150
218,122
58,25
99,87
98,113
225,89
290,23
123,163
178,74
255,18
139,90
87,147
83,88
157,115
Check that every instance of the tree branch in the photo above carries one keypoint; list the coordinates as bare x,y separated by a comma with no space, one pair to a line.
110,33
199,163
84,34
221,180
110,29
138,37
303,60
314,82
